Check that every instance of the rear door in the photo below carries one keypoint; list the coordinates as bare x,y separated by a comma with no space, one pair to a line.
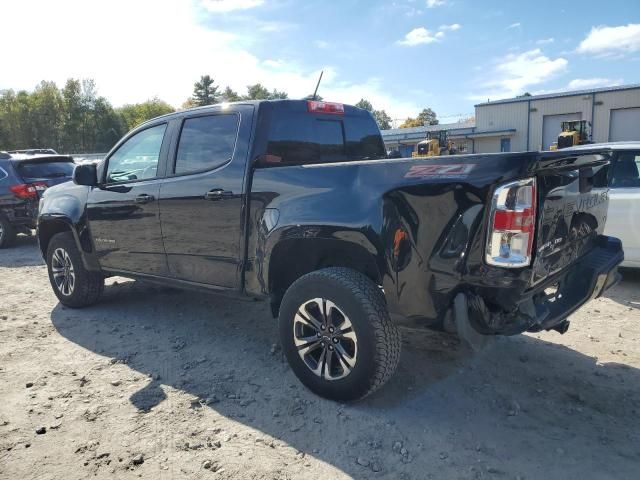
123,212
202,197
624,206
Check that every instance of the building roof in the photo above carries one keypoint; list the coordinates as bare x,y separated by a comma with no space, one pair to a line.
455,130
413,133
570,93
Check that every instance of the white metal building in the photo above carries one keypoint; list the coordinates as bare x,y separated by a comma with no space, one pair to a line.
533,122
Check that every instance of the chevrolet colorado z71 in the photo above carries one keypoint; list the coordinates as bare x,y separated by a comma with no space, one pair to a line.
296,202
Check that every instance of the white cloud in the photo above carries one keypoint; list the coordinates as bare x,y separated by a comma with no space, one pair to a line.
420,36
514,25
223,6
129,66
605,40
435,3
515,73
323,44
423,36
450,28
585,83
546,41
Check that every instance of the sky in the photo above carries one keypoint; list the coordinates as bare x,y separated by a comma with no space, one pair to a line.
401,55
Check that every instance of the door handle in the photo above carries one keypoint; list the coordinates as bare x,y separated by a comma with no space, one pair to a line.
144,198
217,194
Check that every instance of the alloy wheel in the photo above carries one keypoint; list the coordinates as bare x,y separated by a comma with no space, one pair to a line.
62,270
325,339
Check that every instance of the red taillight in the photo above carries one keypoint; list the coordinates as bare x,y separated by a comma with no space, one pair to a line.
316,106
512,224
27,190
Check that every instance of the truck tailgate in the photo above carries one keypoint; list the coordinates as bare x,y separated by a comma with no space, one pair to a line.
573,201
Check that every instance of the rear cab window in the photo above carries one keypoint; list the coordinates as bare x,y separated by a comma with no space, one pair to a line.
40,169
298,137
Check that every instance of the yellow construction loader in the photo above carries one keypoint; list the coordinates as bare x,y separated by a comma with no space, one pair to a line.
437,143
573,133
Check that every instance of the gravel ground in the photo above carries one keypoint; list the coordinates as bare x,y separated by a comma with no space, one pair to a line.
156,383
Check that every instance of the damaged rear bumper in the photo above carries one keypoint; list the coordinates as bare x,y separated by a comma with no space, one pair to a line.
546,306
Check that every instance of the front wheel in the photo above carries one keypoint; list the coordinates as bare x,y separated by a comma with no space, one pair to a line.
73,284
337,335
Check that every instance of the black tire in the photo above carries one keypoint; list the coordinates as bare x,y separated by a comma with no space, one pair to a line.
7,233
362,303
87,286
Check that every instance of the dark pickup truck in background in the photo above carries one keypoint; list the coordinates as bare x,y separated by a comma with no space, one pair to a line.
296,202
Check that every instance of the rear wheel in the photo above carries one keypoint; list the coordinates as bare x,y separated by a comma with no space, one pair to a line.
7,233
337,335
73,284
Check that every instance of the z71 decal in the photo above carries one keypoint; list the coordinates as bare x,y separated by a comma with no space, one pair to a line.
454,170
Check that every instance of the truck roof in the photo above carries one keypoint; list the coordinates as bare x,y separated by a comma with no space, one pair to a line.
225,105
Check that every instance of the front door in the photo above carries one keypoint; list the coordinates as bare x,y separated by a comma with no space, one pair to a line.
201,198
123,211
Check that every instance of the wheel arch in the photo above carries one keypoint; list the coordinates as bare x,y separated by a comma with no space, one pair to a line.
49,226
312,254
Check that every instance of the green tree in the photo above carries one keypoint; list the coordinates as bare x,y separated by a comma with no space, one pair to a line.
46,115
425,117
278,95
382,119
136,113
73,119
108,126
230,95
205,92
364,104
73,116
256,92
428,117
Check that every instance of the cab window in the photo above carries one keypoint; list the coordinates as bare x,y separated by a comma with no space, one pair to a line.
137,158
626,171
206,143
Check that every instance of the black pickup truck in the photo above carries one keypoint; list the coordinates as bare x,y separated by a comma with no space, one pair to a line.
296,202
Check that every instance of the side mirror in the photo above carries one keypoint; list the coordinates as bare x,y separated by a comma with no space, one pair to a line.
394,154
85,174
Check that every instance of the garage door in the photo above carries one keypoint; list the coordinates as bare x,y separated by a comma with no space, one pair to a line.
625,125
552,126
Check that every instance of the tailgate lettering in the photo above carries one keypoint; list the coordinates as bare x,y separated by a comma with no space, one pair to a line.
455,170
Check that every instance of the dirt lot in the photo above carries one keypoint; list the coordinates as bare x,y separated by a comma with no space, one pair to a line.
157,384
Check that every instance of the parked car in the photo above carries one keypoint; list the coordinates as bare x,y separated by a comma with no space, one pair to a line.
296,202
22,178
624,202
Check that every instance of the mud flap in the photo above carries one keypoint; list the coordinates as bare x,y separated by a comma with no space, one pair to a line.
465,330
